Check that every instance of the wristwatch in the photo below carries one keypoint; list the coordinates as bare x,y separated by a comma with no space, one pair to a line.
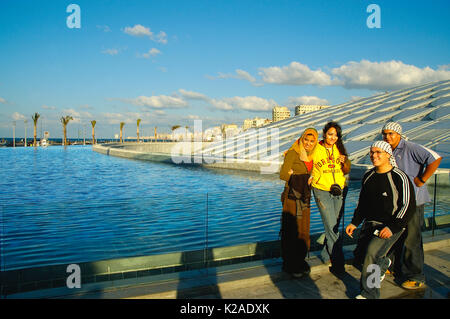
420,179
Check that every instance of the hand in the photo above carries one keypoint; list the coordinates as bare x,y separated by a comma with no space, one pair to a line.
291,172
350,229
418,182
310,179
342,158
385,233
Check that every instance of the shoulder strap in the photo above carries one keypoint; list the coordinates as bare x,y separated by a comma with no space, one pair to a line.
332,161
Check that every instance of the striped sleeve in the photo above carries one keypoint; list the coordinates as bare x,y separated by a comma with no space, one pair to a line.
406,201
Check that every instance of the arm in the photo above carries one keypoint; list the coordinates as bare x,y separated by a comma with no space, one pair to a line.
346,165
286,168
358,215
315,173
406,202
429,171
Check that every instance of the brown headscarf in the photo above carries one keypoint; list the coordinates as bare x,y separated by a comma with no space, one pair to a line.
298,145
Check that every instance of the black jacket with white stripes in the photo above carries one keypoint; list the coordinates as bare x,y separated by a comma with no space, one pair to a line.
387,198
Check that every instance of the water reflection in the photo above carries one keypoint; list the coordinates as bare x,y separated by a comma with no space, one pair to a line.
70,205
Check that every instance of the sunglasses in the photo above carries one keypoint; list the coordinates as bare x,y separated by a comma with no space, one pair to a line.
390,134
376,152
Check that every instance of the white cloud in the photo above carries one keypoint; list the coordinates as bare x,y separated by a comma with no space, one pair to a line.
221,105
47,107
139,30
314,100
161,37
77,116
160,112
16,116
294,74
151,53
380,76
193,95
111,51
244,75
2,100
386,75
249,103
115,118
104,28
158,102
127,117
239,74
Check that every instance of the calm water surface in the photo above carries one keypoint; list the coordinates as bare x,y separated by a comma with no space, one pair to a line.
70,205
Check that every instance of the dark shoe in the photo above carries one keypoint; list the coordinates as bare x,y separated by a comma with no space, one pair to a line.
302,273
337,271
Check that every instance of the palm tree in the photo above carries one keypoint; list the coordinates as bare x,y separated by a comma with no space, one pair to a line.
173,129
137,132
186,131
65,120
35,118
121,128
93,131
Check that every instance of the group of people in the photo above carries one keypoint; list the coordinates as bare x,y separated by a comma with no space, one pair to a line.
390,207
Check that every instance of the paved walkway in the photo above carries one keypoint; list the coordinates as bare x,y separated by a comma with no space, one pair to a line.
265,280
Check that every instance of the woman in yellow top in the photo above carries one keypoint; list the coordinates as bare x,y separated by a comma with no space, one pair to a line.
296,198
328,182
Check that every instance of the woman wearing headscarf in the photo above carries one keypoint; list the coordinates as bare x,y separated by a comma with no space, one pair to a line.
331,164
296,169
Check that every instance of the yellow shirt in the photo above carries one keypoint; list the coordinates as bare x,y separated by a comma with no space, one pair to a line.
323,166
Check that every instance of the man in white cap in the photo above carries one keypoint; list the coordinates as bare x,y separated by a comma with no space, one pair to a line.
419,163
386,203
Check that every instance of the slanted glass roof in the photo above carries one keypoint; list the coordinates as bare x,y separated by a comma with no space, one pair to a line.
415,104
423,112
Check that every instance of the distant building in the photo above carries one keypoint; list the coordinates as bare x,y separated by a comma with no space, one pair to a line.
280,113
306,108
254,123
213,134
247,124
229,130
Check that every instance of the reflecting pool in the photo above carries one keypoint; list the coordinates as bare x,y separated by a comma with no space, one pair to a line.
70,205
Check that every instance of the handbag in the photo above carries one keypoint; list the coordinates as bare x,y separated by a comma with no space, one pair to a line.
335,189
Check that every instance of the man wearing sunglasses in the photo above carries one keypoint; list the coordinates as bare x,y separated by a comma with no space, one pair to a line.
419,163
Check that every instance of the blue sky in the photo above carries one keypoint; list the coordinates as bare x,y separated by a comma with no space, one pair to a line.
170,62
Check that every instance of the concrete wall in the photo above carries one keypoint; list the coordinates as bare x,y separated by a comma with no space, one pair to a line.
29,279
162,152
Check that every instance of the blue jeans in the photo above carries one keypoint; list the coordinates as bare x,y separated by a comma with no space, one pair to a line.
376,255
329,208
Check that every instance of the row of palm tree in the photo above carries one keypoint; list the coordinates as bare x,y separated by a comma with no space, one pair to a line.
66,119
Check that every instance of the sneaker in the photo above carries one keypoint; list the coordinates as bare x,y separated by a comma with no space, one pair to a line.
389,264
301,274
384,275
412,284
360,297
